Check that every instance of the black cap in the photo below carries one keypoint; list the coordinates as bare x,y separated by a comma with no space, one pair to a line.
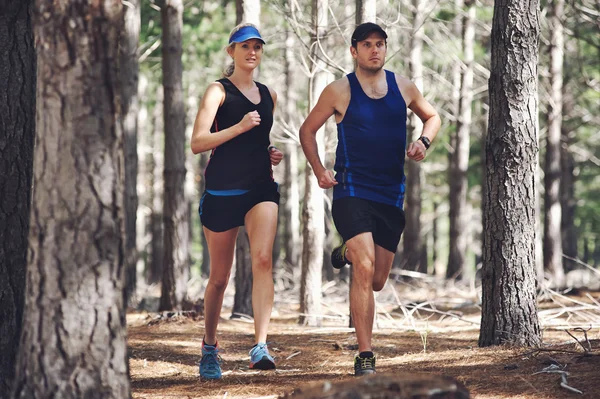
362,31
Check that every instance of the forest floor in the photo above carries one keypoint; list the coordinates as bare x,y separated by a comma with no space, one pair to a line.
429,332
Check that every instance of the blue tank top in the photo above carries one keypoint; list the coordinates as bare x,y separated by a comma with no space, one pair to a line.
372,145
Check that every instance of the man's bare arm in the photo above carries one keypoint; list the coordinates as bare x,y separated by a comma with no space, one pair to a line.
324,109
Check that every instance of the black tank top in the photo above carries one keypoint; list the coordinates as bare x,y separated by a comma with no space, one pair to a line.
242,162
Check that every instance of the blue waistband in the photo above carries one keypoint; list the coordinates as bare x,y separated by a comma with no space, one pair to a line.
227,192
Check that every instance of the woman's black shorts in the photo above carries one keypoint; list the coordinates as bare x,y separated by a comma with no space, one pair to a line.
224,212
353,216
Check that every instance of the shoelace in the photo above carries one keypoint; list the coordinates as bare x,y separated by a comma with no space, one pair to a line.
366,363
211,360
259,347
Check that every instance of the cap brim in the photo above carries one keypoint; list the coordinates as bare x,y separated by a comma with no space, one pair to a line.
247,37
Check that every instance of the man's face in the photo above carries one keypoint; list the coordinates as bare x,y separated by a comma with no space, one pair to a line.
370,53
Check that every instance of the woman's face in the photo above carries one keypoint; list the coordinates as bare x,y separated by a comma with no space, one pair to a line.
247,55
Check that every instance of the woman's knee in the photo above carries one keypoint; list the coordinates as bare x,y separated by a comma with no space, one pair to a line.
262,261
219,282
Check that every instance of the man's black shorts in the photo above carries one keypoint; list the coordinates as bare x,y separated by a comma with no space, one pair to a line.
353,216
224,212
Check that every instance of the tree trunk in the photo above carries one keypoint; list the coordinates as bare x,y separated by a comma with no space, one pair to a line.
568,204
17,86
74,341
247,11
553,263
366,11
509,309
205,267
290,211
129,70
176,265
242,301
459,159
313,209
154,270
412,233
389,386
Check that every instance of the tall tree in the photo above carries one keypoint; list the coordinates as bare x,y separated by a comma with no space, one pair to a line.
366,11
412,242
129,69
291,193
313,209
459,155
247,11
552,169
509,309
176,216
154,268
74,342
17,130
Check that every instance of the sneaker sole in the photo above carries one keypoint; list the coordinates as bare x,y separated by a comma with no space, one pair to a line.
263,364
203,377
364,372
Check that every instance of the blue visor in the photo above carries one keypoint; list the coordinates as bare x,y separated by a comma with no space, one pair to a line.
245,33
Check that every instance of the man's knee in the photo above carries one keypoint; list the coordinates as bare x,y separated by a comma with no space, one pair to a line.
378,285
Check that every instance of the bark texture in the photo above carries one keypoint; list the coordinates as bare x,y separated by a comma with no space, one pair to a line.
246,11
553,262
17,131
129,69
412,233
366,11
176,216
509,309
459,158
385,386
313,209
242,301
74,341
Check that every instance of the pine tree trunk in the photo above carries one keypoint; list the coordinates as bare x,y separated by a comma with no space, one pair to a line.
313,209
242,301
205,267
74,340
412,233
154,270
290,209
246,11
129,70
176,265
553,262
509,309
459,161
17,86
366,11
568,204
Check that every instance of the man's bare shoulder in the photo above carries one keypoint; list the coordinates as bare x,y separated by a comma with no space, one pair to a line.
339,87
403,81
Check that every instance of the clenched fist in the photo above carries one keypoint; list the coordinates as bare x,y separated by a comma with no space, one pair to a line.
250,120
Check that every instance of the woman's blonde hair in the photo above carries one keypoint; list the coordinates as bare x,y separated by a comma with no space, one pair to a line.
231,67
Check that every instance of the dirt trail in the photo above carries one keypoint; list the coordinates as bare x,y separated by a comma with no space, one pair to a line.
164,357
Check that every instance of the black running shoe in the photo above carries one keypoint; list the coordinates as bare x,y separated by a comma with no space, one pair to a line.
364,365
338,257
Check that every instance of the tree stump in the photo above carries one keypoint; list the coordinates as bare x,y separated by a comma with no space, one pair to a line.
385,386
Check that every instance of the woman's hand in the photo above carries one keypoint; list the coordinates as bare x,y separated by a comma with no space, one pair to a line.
275,155
250,120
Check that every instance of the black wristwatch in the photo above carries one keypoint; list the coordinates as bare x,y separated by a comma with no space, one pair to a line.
426,142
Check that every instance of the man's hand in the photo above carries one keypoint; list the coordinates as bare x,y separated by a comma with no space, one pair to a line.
416,151
325,179
275,155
